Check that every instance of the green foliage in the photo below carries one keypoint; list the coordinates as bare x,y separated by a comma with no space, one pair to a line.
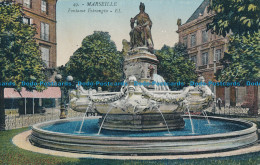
242,61
20,58
96,60
239,16
174,64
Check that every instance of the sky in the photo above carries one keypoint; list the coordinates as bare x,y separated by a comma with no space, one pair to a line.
74,26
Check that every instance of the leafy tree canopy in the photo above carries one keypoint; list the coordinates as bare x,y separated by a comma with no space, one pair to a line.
242,17
242,61
175,65
20,58
96,60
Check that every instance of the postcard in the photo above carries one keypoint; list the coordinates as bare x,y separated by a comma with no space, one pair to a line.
129,82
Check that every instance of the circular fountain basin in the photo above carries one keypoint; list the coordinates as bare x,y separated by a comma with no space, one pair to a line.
221,134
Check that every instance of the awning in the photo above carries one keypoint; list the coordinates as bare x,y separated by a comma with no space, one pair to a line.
50,92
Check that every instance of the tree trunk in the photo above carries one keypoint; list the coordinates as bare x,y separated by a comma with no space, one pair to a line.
2,109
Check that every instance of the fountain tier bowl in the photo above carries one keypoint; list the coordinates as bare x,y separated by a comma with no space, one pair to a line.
221,135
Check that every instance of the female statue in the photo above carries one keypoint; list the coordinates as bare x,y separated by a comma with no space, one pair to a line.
140,34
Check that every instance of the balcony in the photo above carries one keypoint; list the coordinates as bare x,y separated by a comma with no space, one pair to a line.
202,67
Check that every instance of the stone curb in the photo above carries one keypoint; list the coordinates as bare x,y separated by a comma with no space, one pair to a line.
22,141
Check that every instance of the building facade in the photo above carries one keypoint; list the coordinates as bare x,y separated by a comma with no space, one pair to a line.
206,49
42,14
203,47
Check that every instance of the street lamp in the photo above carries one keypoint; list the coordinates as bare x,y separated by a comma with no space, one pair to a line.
69,78
215,70
64,94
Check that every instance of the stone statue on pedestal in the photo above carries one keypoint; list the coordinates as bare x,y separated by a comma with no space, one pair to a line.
140,35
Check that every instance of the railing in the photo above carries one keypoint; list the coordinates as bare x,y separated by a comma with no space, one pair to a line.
15,121
236,111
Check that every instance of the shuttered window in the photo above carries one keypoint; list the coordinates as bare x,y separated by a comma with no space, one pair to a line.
27,3
204,36
45,29
218,55
45,52
44,6
193,40
205,58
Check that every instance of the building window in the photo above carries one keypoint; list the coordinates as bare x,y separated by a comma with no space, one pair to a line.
204,36
26,20
45,52
185,41
194,60
27,3
44,6
45,31
205,58
218,54
193,40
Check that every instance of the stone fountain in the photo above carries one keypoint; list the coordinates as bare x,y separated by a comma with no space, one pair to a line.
144,117
145,103
136,108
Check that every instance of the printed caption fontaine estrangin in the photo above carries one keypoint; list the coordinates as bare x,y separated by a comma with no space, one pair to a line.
94,7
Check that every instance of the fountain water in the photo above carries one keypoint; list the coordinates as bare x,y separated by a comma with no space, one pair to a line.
90,105
104,120
215,138
191,123
206,117
160,83
169,133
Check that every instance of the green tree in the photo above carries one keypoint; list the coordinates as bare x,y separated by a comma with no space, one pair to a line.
19,53
96,60
242,61
239,18
242,17
175,65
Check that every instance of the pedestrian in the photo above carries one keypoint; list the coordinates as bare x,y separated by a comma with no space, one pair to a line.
219,102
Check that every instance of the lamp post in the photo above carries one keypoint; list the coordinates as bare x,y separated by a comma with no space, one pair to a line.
69,79
64,94
215,70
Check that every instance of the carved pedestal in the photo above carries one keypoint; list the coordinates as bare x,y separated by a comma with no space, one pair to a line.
141,64
143,122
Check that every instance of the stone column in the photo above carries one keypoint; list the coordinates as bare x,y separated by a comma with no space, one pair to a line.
227,95
220,93
56,103
211,55
199,57
252,100
232,96
241,93
40,102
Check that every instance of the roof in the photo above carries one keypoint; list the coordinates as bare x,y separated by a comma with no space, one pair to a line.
50,92
199,10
